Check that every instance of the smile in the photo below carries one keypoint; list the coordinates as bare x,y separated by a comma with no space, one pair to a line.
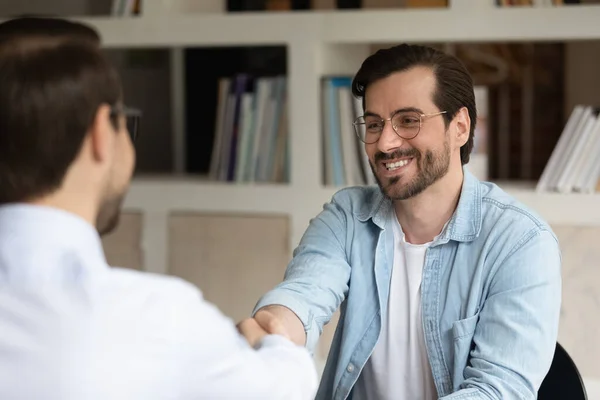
396,165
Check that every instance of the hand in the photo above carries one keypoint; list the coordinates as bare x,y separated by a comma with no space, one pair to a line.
270,323
252,331
264,323
281,320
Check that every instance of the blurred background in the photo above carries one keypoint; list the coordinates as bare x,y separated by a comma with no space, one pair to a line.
247,128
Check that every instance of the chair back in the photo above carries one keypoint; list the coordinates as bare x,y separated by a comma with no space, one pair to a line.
563,380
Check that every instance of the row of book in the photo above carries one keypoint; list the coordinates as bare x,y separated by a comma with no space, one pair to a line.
251,131
344,159
574,165
134,7
251,137
293,5
124,8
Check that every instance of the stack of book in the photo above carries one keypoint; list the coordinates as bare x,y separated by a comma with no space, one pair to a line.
574,165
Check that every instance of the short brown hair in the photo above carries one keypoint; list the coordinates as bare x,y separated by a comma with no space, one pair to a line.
454,85
49,96
47,27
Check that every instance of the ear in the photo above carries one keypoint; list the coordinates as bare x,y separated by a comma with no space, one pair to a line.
462,127
102,134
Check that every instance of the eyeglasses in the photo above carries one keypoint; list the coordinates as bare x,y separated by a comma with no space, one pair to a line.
406,124
132,119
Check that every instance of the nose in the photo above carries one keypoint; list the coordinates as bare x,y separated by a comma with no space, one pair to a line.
389,139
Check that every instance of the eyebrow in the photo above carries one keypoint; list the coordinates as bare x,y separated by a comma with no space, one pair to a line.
404,109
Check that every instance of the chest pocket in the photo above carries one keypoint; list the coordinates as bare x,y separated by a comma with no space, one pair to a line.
462,333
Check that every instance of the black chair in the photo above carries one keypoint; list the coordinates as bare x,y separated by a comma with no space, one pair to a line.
563,381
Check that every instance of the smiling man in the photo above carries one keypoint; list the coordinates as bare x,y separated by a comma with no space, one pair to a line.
449,288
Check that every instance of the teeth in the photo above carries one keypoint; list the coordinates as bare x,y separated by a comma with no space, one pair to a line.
398,164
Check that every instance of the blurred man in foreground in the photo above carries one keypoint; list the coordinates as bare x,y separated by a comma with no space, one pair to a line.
71,327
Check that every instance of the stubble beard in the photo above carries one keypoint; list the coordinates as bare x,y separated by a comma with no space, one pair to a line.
431,167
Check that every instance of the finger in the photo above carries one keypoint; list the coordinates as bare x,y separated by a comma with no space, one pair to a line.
271,323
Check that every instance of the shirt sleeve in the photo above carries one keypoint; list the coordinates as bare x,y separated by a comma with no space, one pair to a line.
515,337
316,280
214,361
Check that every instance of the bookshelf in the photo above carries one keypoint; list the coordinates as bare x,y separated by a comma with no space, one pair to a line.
321,43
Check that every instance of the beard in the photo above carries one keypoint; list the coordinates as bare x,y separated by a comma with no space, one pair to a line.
109,214
431,166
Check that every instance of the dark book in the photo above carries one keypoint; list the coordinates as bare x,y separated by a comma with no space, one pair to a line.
203,68
348,4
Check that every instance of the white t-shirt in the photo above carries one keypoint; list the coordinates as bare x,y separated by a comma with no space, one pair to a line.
399,368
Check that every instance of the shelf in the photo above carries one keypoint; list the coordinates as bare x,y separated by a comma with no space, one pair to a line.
187,194
476,24
199,30
191,194
556,208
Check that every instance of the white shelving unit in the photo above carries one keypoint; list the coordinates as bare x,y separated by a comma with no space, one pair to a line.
319,43
458,23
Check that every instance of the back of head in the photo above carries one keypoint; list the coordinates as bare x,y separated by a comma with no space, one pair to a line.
454,83
37,27
50,92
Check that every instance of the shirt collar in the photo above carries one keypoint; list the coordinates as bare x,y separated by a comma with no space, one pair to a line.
465,223
50,229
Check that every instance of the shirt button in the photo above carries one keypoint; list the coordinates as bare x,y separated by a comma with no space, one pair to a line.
350,368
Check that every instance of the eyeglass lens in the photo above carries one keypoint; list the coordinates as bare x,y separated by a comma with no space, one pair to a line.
406,124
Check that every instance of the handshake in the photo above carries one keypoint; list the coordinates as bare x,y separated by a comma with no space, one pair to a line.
273,320
262,324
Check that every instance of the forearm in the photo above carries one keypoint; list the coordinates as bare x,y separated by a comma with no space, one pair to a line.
316,279
290,321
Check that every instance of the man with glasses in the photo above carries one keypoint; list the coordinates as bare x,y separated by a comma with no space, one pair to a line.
71,327
448,288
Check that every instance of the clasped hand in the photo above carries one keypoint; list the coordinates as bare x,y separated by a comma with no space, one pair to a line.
262,324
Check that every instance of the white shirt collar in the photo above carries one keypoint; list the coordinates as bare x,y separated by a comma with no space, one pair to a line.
31,235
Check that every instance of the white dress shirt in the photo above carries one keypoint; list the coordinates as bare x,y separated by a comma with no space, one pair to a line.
73,328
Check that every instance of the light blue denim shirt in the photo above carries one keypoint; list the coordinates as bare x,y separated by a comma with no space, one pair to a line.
491,292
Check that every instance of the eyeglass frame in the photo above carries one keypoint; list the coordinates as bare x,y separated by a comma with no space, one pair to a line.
128,112
384,120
